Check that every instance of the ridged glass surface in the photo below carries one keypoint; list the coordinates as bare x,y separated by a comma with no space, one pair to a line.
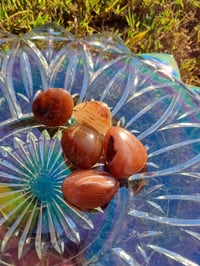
155,217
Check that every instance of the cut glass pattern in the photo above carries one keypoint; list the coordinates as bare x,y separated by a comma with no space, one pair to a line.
155,224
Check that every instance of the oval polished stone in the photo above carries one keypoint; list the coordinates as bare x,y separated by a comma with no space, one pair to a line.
124,153
82,145
88,189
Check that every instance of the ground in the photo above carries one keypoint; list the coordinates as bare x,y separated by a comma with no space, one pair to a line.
170,26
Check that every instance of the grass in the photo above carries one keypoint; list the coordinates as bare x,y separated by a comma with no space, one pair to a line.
170,26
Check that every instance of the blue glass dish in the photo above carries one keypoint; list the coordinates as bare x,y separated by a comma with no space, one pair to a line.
154,219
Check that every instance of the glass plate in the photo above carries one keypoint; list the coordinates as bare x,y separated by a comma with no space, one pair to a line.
154,219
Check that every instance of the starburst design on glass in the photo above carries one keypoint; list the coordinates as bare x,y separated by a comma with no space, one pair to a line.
31,200
160,224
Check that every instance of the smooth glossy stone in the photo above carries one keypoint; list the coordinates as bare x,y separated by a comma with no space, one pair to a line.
88,189
53,107
124,153
82,146
95,114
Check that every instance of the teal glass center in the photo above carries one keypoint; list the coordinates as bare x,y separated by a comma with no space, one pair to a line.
43,186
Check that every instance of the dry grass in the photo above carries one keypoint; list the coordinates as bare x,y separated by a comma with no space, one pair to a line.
170,26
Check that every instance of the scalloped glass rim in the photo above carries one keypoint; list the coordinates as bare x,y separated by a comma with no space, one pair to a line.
159,225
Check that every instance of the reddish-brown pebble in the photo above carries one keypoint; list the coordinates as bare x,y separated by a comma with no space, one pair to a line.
82,145
53,107
124,153
88,189
95,114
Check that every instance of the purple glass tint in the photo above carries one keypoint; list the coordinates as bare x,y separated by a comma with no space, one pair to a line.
158,225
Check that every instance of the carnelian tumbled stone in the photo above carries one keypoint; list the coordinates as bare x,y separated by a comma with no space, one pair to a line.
95,114
124,153
82,145
88,189
53,107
